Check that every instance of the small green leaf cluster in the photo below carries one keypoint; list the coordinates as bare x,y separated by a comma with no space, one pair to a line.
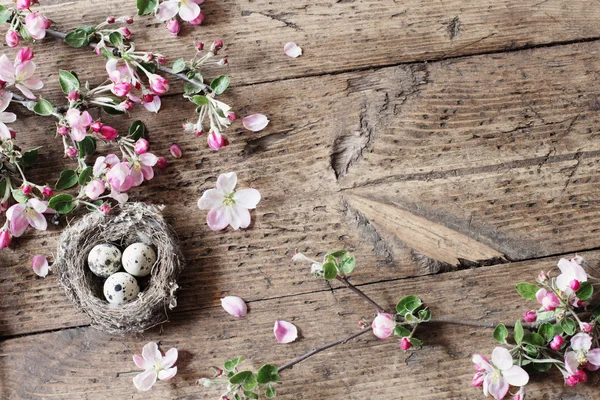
337,262
413,312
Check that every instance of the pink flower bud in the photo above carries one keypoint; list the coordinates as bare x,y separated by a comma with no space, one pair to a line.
383,325
125,32
198,133
71,152
219,372
47,191
574,284
223,62
188,127
5,239
198,20
216,141
4,206
127,105
26,189
587,328
234,306
173,26
105,208
199,46
62,130
23,4
216,46
161,163
477,380
405,343
108,133
542,277
74,95
24,54
128,20
149,56
158,84
141,146
175,151
579,303
581,376
96,126
231,116
148,98
13,134
12,39
572,380
94,189
40,266
530,316
557,342
161,60
361,324
122,89
110,20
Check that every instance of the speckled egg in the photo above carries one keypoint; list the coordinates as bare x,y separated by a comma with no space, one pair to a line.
104,260
120,288
138,259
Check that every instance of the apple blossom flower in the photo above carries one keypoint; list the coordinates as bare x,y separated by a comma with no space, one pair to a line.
21,215
235,306
227,207
188,10
175,150
151,103
141,146
119,177
40,266
20,75
581,353
12,39
108,133
500,373
79,123
71,152
556,342
570,271
161,163
291,49
255,122
530,316
121,89
5,238
155,365
405,343
383,325
36,25
94,189
158,84
548,300
5,117
216,46
285,332
23,4
216,141
141,168
24,54
105,208
173,26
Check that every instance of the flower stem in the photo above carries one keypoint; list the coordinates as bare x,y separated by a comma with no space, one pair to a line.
311,353
359,292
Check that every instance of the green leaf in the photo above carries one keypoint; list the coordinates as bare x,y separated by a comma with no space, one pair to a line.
85,176
547,331
68,179
568,325
270,393
19,196
219,84
199,100
179,65
408,304
347,264
534,339
68,81
531,350
500,333
336,253
149,66
527,290
542,367
425,315
137,130
585,291
43,108
80,37
596,313
267,373
245,378
29,158
97,203
116,39
146,7
250,395
518,332
190,88
4,191
329,271
87,146
62,203
416,342
231,364
401,331
5,14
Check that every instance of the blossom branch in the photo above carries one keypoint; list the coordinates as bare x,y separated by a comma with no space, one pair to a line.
360,293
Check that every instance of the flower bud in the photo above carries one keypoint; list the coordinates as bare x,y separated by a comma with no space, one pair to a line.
24,54
405,343
198,20
161,60
477,380
173,26
141,146
47,191
62,130
572,380
206,382
125,32
361,324
175,151
216,141
23,4
557,342
198,133
234,306
222,62
126,105
216,46
110,20
574,284
530,316
579,303
158,84
199,46
383,325
105,209
542,277
122,89
5,239
581,376
587,328
231,116
96,126
74,95
71,152
128,20
12,39
94,189
188,127
108,133
161,163
148,98
26,189
13,134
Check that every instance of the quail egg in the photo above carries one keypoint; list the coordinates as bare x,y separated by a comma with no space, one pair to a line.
104,260
138,259
120,288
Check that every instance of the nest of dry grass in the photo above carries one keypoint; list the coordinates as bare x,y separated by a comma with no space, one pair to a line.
134,222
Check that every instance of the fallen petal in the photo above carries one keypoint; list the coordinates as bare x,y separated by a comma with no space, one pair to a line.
285,332
255,122
40,266
292,49
235,306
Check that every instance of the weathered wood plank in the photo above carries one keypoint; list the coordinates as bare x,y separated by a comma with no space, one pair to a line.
87,364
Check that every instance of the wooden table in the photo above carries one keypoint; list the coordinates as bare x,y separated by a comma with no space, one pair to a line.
452,146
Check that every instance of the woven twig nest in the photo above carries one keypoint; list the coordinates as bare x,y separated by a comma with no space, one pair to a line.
134,222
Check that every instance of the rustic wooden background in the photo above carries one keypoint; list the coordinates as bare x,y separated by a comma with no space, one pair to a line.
451,145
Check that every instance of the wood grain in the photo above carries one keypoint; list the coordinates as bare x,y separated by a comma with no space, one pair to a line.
86,364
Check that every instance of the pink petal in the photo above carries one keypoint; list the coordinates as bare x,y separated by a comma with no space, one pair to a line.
25,90
255,122
292,49
482,362
77,134
148,159
8,117
581,341
24,70
501,358
210,199
167,10
226,182
540,294
18,219
233,218
37,205
145,380
5,98
169,359
235,306
141,363
34,83
37,220
151,353
247,198
40,266
147,171
166,374
498,388
241,215
217,219
4,132
189,11
154,105
593,357
285,332
7,70
516,376
571,363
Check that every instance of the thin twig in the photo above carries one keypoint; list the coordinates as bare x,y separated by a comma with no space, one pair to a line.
359,292
311,353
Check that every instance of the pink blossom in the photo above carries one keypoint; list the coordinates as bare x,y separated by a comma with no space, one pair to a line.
581,354
175,151
226,206
231,116
199,46
255,122
40,266
291,49
285,332
79,123
12,39
73,96
477,379
23,4
105,209
20,75
216,141
556,342
119,73
108,133
71,152
216,46
122,89
548,300
574,285
94,189
383,325
5,238
36,25
500,373
24,54
5,117
119,177
542,277
26,189
587,328
47,191
152,103
161,163
158,84
198,20
155,365
96,126
405,343
188,10
530,316
125,32
234,306
141,146
22,215
173,26
141,169
570,270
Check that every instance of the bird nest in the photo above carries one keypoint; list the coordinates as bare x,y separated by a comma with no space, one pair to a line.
134,222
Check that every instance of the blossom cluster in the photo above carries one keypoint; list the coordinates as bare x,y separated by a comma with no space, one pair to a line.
171,12
24,23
